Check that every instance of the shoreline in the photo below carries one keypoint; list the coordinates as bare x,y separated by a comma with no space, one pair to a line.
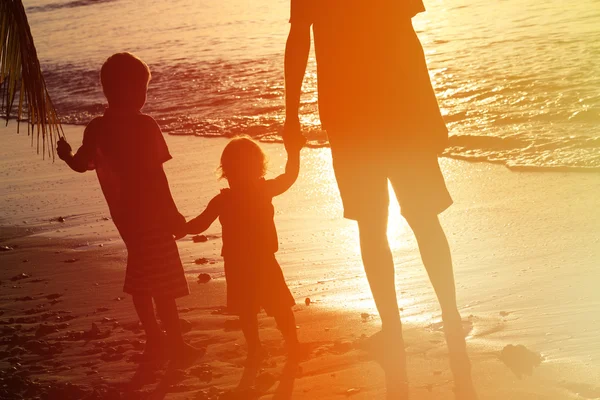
318,140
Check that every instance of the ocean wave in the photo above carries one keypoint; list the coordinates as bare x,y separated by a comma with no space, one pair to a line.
225,98
69,4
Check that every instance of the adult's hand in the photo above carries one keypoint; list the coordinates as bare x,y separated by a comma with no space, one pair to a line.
293,139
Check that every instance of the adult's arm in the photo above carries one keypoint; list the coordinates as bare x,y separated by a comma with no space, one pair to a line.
296,57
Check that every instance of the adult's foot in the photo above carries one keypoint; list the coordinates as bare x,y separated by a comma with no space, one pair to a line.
383,343
465,391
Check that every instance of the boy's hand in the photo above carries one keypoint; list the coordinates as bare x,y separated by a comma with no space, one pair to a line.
63,149
180,227
179,235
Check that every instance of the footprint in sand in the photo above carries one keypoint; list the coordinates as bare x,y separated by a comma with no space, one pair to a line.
520,359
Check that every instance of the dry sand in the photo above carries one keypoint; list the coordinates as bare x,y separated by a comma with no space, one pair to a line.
74,272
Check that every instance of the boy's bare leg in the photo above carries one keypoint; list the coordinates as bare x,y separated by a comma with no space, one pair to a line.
155,338
145,311
437,259
183,353
169,315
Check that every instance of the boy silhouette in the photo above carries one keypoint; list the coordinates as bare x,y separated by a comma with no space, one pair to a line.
127,150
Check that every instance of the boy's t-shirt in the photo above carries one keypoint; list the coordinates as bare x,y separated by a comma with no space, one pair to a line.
127,151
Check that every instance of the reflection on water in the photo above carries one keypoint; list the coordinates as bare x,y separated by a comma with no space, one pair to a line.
520,89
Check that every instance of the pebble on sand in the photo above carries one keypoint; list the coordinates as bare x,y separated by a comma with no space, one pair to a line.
22,275
204,278
199,239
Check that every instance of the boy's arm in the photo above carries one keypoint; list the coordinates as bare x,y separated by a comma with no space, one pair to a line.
77,162
296,58
284,181
203,221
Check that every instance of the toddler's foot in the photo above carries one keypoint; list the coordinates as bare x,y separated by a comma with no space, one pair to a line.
298,352
255,357
184,355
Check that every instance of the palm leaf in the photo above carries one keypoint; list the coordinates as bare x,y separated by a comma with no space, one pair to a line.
21,78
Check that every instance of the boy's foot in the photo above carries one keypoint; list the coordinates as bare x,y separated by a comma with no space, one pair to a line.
185,355
155,351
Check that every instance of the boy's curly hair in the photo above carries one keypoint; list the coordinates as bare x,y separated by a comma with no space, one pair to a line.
243,157
124,79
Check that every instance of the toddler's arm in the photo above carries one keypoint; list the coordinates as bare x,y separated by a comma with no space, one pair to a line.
284,181
203,221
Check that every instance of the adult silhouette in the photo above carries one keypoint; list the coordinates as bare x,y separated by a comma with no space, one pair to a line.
377,104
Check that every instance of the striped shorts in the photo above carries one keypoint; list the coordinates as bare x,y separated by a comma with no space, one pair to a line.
154,267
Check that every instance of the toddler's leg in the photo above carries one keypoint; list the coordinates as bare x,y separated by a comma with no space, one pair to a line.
286,322
249,322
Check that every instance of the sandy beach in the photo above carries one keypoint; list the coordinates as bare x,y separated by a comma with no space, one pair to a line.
526,249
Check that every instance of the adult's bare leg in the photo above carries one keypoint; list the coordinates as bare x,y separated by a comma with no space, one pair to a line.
435,253
379,268
388,345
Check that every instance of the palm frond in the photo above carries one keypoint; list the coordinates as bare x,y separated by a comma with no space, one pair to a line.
21,78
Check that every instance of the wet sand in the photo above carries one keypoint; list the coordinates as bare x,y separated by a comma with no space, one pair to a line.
509,280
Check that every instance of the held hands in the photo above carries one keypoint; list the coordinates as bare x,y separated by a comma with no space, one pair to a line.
180,227
293,139
63,149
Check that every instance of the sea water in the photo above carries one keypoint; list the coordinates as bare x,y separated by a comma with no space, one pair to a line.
518,81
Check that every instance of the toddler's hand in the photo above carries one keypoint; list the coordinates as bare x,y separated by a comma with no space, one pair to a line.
179,235
294,144
179,227
63,149
291,127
